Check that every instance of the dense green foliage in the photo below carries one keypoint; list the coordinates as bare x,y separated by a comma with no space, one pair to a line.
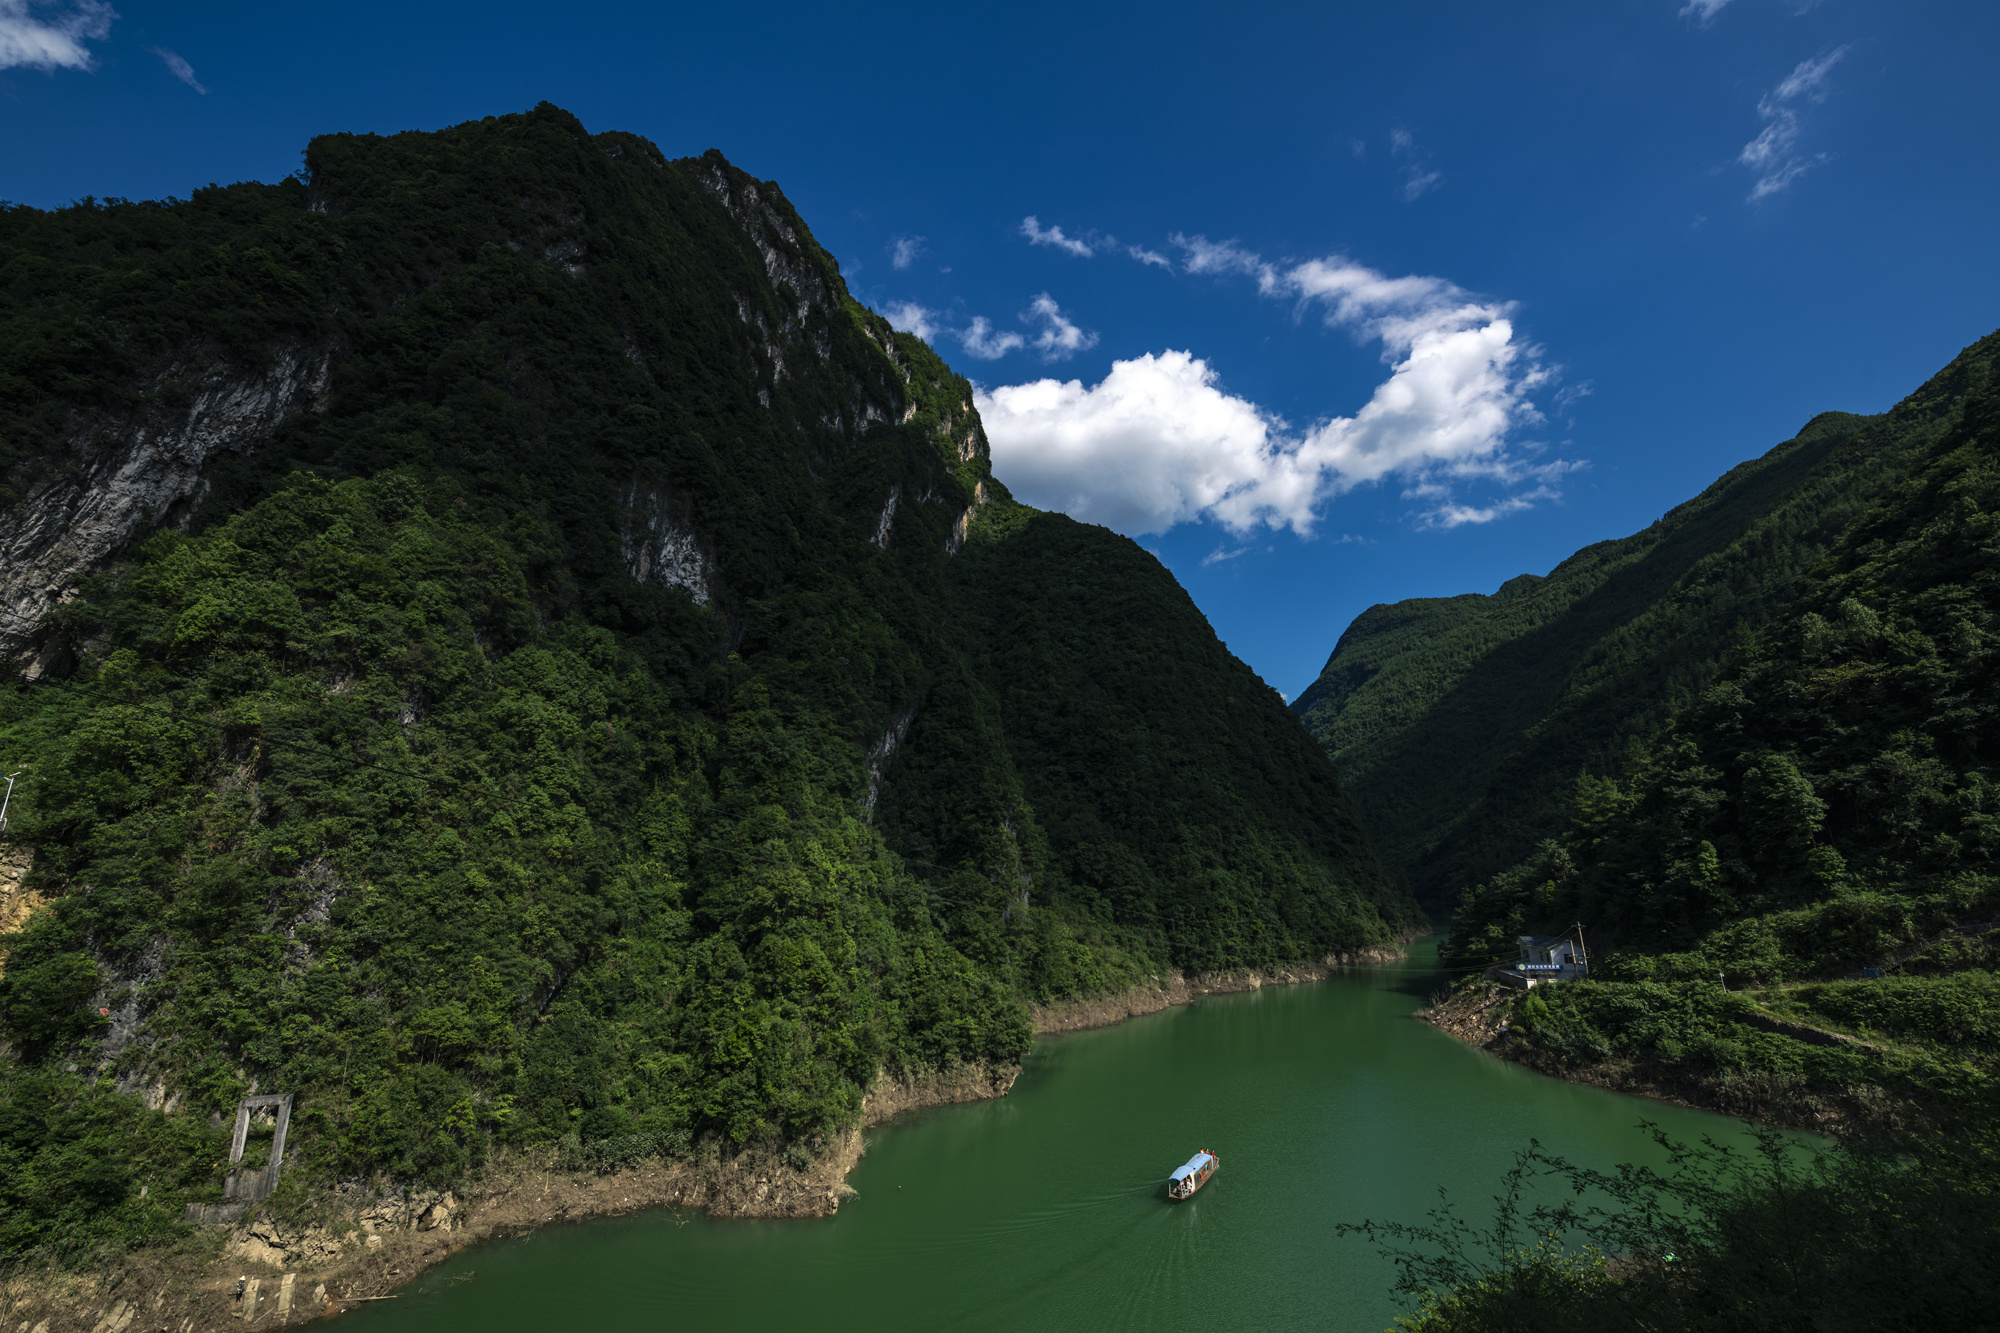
1176,798
95,296
1460,723
71,1159
389,777
1828,805
1891,1232
1697,1036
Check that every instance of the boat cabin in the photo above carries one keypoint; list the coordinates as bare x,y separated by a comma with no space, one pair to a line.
1187,1179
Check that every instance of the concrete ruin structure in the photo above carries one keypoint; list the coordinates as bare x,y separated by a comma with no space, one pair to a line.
243,1185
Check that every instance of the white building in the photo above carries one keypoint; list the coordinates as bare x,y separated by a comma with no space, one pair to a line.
1545,958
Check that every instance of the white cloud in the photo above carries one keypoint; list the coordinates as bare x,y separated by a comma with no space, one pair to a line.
1571,394
55,40
1154,444
1091,243
1703,11
904,250
1453,515
1418,182
1201,255
1220,554
1418,178
1059,339
180,68
1773,154
913,318
1053,236
1809,79
1158,442
980,339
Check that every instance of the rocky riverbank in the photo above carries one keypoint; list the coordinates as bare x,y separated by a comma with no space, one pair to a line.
351,1245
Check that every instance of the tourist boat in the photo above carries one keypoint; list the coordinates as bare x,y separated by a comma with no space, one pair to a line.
1193,1176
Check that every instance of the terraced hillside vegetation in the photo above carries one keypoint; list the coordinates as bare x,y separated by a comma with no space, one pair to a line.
504,647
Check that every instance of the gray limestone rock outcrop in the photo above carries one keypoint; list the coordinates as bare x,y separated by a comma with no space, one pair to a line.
130,474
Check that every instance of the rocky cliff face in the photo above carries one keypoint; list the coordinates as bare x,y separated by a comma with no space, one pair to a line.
128,474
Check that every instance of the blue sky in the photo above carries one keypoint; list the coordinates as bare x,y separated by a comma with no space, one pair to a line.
1326,304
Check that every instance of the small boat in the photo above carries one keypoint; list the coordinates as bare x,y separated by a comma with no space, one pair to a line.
1185,1181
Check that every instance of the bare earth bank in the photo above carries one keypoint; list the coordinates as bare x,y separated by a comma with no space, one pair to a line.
1175,988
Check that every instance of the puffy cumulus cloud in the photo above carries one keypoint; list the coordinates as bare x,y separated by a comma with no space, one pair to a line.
903,251
1159,442
1053,236
45,36
1155,443
1774,154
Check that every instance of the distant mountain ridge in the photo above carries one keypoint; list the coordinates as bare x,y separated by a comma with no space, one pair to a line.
1793,887
1460,724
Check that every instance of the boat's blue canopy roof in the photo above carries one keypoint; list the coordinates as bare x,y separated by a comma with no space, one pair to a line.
1195,1163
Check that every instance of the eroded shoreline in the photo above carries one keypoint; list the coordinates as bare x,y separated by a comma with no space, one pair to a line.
1175,988
364,1248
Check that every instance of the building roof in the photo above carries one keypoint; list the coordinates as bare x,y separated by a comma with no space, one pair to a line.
1545,941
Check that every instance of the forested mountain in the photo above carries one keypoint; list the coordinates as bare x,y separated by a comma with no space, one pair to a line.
506,648
1794,901
1761,765
1460,724
1830,803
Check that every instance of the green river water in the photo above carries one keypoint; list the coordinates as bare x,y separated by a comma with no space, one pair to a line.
1047,1210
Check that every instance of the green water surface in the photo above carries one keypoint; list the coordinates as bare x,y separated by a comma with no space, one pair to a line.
1047,1209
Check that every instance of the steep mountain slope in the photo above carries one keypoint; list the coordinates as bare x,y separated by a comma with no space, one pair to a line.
510,651
1829,804
1460,724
